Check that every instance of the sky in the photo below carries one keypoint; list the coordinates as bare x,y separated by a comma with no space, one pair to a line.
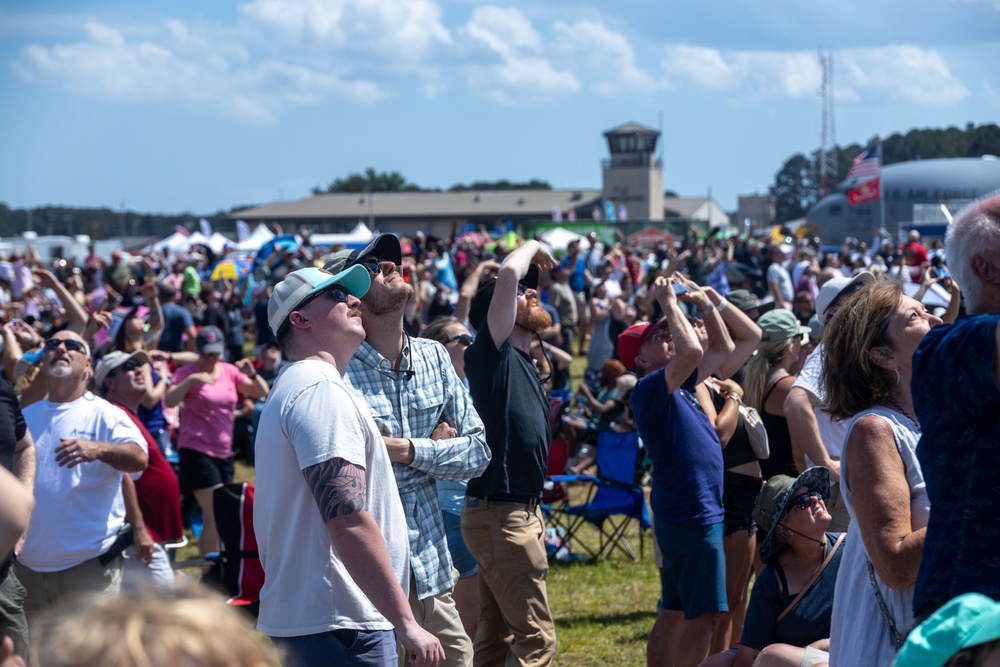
186,106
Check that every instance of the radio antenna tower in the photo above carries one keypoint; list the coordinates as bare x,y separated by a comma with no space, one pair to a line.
828,148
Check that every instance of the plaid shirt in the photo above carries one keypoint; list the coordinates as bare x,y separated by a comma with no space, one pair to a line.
411,407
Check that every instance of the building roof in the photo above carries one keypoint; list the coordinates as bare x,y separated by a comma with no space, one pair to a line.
632,127
683,207
471,204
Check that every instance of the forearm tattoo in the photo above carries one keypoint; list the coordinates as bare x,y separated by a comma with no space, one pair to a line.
338,487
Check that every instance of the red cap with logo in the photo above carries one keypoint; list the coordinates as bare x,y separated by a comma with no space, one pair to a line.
630,340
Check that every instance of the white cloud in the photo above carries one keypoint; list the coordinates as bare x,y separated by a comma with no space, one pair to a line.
604,54
900,72
406,29
185,68
755,73
524,75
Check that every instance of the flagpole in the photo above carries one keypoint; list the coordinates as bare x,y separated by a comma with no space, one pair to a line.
881,189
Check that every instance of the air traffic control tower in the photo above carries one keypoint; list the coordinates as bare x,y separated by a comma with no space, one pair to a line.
633,177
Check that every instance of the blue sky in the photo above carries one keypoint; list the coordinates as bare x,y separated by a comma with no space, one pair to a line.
193,106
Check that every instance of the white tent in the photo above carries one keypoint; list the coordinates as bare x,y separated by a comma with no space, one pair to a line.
174,243
560,237
260,235
357,238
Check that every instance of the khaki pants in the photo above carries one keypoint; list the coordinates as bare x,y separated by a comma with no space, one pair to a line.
515,624
438,615
47,590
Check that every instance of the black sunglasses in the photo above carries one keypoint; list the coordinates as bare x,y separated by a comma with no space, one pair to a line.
463,339
374,266
805,500
52,344
337,292
127,367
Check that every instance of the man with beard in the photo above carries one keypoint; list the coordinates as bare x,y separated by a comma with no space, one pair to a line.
501,522
83,445
430,427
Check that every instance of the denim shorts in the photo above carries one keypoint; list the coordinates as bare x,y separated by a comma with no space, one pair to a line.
694,568
460,556
365,648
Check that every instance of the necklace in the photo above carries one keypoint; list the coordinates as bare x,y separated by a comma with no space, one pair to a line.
903,412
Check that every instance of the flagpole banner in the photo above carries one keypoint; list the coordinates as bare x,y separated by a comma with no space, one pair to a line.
866,165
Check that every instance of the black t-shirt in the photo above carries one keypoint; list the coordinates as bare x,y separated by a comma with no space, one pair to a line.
809,620
12,426
510,400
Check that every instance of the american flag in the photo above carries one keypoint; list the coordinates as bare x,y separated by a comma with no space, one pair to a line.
865,164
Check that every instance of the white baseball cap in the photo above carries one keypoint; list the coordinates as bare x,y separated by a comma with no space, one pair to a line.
833,287
302,284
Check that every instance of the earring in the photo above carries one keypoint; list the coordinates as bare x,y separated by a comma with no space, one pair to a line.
897,376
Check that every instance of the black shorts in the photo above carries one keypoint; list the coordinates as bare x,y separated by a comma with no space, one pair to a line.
201,471
739,493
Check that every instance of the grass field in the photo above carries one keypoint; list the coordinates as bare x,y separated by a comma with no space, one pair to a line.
603,611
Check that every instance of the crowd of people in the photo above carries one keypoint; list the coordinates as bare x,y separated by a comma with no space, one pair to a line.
399,401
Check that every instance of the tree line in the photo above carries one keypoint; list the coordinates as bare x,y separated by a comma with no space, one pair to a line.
796,186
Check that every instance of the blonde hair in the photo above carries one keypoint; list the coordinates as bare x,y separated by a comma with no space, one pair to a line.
759,367
852,380
194,628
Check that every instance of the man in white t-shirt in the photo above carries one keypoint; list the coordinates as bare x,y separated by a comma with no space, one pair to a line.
818,439
83,445
329,523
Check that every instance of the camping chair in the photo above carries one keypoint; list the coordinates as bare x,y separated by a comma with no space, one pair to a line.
237,567
614,498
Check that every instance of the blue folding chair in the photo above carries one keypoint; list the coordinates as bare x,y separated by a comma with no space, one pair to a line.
614,498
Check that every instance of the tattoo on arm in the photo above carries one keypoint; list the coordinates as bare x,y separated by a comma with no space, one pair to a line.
338,486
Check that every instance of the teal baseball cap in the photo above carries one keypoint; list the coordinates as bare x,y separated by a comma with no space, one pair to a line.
964,622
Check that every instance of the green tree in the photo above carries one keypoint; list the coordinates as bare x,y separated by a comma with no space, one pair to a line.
533,184
370,181
795,188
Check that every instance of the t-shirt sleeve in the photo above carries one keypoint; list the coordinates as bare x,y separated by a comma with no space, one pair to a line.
181,373
323,423
120,429
758,626
236,376
809,376
960,357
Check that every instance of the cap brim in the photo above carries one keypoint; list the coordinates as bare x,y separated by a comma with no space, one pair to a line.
212,348
355,279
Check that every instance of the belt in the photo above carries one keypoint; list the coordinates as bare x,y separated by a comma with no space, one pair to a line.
528,502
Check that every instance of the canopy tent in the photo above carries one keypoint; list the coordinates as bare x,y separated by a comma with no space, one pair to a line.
356,239
176,242
260,235
560,238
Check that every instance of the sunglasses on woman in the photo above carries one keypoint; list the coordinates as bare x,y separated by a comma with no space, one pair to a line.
463,339
52,344
805,501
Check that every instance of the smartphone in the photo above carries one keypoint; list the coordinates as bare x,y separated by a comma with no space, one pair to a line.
680,289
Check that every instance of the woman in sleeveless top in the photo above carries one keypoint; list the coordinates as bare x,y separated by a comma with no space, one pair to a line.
769,377
869,349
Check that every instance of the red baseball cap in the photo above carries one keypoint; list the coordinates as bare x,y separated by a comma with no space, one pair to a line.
630,340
